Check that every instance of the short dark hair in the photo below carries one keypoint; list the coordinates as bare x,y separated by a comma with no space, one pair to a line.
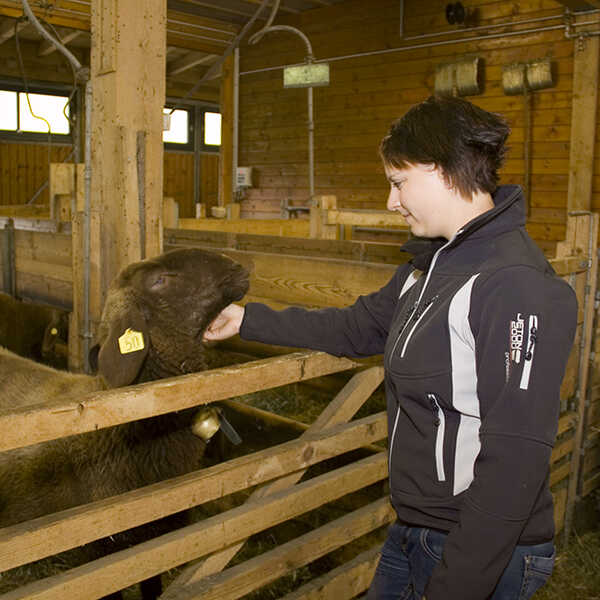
466,142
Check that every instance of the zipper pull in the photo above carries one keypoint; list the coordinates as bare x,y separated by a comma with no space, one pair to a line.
436,409
426,305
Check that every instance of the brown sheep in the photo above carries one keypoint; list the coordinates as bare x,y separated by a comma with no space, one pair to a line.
171,299
33,330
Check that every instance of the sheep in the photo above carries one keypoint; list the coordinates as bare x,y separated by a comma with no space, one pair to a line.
171,300
33,330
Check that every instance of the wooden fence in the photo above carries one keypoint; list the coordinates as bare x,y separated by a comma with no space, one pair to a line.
303,272
332,434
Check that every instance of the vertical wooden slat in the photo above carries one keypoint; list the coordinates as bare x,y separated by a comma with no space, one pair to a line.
586,237
226,102
583,125
8,258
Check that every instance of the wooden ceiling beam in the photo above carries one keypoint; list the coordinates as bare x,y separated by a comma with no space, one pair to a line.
66,36
55,19
220,7
180,40
282,8
177,8
7,29
200,19
206,94
580,5
189,61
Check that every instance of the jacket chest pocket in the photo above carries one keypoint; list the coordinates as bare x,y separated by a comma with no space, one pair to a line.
413,321
439,425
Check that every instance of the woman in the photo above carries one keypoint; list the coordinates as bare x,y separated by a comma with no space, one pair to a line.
476,331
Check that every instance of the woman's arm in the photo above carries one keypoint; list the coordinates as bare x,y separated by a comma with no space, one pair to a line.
357,330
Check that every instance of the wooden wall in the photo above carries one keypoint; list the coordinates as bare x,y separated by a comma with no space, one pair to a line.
179,180
24,168
209,186
367,93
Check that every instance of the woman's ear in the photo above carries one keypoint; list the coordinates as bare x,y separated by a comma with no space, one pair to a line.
121,354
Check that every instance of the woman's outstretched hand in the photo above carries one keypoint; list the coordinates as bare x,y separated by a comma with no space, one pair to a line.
226,324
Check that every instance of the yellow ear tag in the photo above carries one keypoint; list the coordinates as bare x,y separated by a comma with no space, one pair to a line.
54,331
131,341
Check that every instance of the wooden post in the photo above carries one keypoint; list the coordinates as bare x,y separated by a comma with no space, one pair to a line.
62,190
583,123
170,213
318,218
127,68
200,210
586,236
233,210
225,159
8,258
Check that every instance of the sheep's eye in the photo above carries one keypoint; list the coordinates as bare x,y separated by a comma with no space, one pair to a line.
161,281
158,282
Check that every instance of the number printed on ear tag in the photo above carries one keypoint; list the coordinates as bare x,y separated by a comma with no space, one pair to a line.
131,341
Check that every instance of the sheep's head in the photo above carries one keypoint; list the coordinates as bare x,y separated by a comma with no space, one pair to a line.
157,310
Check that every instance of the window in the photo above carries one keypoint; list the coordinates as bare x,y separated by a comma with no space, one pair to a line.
179,123
26,115
212,129
8,110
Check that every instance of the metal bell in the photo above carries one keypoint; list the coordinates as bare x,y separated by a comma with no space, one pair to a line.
206,423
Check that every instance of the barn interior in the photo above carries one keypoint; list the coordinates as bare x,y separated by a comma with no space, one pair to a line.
252,127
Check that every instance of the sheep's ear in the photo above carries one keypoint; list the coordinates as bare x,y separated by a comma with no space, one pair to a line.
121,355
93,357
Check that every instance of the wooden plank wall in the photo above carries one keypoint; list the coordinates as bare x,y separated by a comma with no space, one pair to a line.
24,168
367,93
209,186
179,180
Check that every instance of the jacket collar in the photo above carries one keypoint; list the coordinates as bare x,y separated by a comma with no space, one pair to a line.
508,214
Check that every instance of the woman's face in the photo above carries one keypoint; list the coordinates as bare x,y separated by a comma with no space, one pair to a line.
420,194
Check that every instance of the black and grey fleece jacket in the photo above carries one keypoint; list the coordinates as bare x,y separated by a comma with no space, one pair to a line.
475,345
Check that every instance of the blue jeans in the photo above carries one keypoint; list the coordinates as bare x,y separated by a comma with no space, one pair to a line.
410,554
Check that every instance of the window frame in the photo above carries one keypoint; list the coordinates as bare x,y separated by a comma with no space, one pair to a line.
196,110
50,89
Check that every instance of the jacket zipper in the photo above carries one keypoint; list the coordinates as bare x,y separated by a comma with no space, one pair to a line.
404,325
416,304
531,342
409,335
390,453
440,424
